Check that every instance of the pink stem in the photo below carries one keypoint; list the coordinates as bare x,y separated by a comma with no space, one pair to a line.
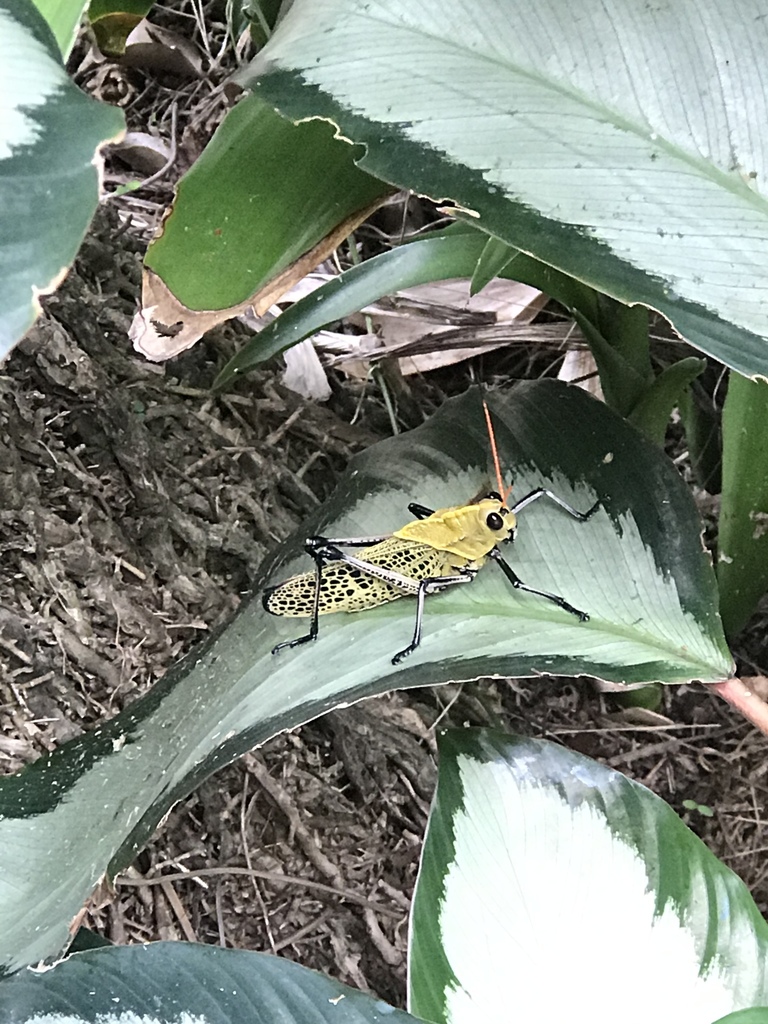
744,700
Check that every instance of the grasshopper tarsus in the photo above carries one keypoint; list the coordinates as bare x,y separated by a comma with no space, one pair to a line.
581,616
294,643
404,653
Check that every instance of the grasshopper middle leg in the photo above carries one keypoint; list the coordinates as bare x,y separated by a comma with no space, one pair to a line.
518,584
430,586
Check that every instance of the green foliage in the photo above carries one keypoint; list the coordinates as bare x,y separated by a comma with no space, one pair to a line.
177,980
584,215
612,187
114,20
263,15
742,559
754,1015
702,809
493,259
636,566
533,853
63,17
591,225
50,134
263,194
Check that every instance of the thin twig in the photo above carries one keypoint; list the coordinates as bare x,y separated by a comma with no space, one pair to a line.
267,876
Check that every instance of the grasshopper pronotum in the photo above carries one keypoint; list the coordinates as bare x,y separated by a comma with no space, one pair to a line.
438,550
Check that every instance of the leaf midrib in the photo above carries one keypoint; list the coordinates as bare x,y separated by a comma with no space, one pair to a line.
637,638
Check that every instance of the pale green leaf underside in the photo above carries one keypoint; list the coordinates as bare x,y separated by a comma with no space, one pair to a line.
622,144
638,568
538,859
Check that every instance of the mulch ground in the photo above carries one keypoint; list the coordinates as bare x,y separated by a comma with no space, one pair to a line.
135,510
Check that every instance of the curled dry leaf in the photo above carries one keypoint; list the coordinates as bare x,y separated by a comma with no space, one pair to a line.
304,372
421,315
154,48
143,152
579,367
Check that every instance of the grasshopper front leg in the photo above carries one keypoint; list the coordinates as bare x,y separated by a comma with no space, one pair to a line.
518,584
544,492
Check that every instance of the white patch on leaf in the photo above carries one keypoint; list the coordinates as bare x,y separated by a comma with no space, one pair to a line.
548,916
28,77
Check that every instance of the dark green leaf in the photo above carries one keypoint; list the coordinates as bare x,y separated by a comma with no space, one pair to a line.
176,981
494,258
742,561
263,193
622,384
114,20
648,185
453,253
651,413
431,259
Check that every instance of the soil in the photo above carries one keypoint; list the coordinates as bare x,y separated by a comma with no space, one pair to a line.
135,510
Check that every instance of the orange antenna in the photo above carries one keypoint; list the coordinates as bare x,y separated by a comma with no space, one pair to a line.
503,491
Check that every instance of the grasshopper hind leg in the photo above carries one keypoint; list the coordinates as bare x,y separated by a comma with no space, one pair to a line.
324,551
312,548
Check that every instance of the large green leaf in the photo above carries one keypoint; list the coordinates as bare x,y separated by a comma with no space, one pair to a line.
618,144
50,134
175,981
637,567
263,193
552,889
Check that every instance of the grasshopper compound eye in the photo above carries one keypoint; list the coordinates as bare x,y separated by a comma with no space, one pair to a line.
494,521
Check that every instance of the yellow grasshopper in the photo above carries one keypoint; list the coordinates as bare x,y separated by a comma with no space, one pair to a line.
438,550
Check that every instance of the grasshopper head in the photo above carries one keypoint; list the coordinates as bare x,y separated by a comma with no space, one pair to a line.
471,531
468,531
494,520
